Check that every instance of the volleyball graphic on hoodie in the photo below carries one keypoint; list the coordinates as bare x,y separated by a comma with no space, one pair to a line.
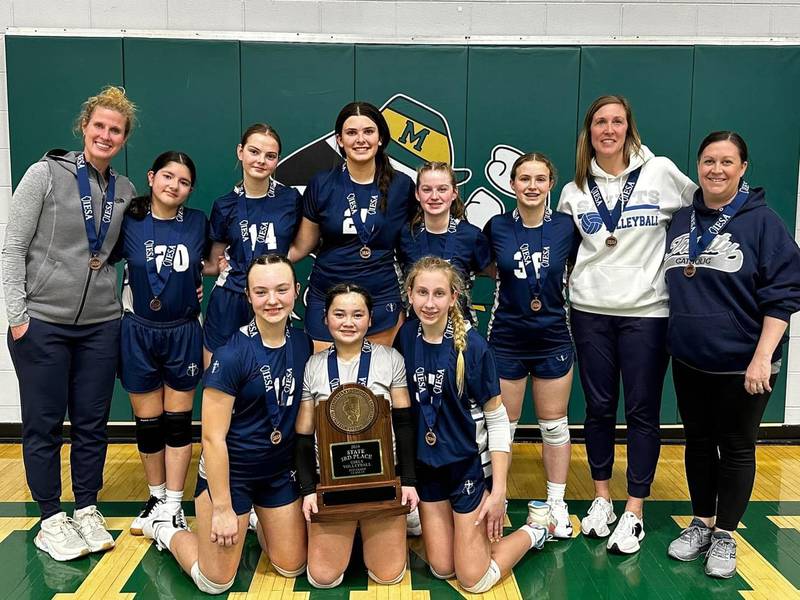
591,222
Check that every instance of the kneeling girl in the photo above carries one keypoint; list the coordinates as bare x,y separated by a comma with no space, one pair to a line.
352,358
250,405
462,436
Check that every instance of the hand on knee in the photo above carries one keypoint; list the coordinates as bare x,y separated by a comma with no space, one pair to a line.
555,432
204,584
485,583
323,580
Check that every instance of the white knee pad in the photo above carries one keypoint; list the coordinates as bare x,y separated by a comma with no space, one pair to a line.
555,432
397,579
486,582
324,586
204,584
289,574
512,428
439,576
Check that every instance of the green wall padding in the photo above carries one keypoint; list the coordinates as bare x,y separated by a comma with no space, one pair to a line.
455,103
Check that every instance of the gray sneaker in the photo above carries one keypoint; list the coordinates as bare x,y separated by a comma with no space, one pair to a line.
692,542
721,556
92,526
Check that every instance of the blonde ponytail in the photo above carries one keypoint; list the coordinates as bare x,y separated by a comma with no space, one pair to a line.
460,343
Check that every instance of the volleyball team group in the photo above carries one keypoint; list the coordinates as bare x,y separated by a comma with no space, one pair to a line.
652,266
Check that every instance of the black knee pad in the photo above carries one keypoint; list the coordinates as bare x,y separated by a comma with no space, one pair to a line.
150,434
178,428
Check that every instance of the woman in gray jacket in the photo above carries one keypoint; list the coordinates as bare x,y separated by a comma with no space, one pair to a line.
64,316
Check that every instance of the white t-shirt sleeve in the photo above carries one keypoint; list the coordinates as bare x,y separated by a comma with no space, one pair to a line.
398,369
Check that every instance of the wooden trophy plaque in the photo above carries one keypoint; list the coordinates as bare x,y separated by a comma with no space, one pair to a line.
356,459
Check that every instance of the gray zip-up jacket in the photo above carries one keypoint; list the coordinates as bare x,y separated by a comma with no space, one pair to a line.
46,272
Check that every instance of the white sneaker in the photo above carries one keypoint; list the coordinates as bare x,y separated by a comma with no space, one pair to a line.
627,534
540,516
149,511
60,537
92,526
413,524
598,518
165,520
252,523
563,526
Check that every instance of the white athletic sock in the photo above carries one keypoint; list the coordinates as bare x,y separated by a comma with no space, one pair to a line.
164,534
555,492
536,538
173,500
159,491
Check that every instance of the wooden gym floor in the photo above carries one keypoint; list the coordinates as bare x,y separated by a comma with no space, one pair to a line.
768,543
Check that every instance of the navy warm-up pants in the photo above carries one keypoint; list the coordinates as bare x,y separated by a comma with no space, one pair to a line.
635,347
60,368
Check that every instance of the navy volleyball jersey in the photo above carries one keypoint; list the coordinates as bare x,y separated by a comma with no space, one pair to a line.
235,369
514,327
470,252
271,223
179,297
338,259
460,425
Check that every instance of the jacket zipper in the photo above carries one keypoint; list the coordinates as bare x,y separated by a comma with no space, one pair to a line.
83,297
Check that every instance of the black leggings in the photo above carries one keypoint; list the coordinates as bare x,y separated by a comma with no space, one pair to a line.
721,423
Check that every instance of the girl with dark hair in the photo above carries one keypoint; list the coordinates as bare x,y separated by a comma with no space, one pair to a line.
733,271
64,317
163,243
439,229
622,200
357,210
258,216
353,358
250,403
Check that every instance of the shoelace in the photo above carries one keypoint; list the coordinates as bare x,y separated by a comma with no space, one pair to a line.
597,506
69,527
152,502
723,548
96,519
691,534
179,520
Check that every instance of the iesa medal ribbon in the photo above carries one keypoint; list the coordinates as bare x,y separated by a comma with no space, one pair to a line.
449,243
355,213
363,365
533,277
94,237
158,278
431,403
252,250
610,219
276,398
699,242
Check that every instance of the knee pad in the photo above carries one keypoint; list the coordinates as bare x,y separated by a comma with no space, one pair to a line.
393,581
150,434
178,428
555,432
204,584
289,574
439,575
324,586
512,428
486,582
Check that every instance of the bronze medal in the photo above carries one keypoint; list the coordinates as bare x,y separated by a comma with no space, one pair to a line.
430,438
365,252
689,270
536,305
95,263
275,437
155,304
611,241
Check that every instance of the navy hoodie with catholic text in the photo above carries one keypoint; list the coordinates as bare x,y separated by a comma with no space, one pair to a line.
750,270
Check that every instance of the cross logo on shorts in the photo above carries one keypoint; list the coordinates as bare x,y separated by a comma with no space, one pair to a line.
192,370
468,487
